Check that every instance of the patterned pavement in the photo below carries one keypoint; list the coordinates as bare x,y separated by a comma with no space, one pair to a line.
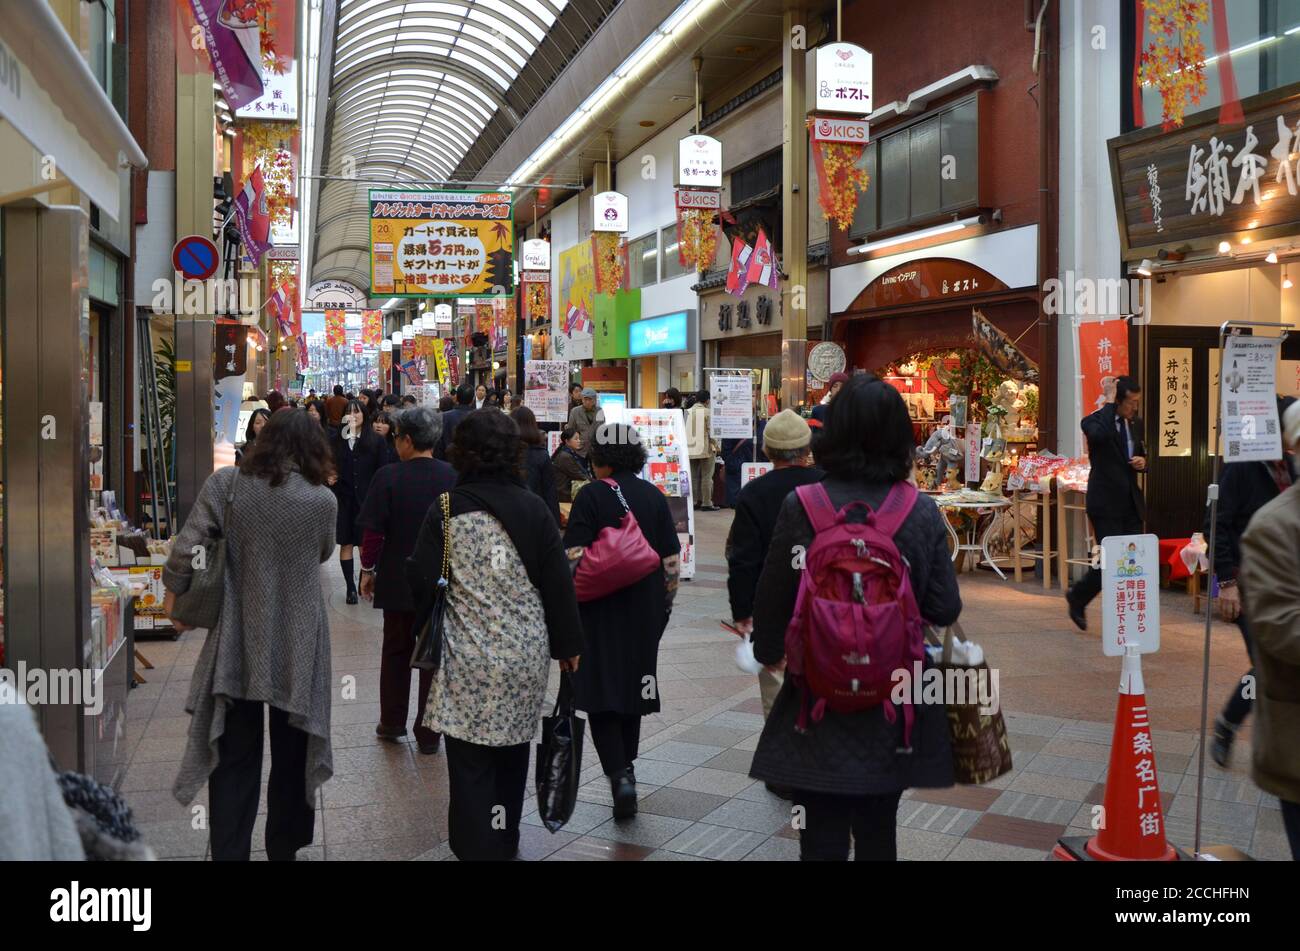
386,801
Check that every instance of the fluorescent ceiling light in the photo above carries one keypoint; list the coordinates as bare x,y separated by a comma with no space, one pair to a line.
1144,268
915,235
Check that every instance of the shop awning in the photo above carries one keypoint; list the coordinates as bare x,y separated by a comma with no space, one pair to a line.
50,96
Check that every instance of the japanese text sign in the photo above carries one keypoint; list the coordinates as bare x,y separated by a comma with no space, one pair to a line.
1130,594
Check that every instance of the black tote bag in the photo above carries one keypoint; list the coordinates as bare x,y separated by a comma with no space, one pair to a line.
428,629
559,759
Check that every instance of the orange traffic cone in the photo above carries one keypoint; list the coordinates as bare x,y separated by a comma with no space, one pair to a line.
1133,823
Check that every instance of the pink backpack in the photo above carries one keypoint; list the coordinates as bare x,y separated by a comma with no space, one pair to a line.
856,620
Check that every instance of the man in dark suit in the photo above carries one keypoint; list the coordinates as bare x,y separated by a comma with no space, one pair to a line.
1115,504
451,419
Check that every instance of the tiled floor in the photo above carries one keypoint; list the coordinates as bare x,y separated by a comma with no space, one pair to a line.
696,800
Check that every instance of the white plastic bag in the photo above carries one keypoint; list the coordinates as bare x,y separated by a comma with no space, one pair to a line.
745,657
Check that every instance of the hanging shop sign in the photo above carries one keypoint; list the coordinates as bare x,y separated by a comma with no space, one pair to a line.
335,329
1175,399
609,212
843,79
835,129
448,244
537,255
335,294
283,252
1204,183
927,281
698,198
1103,358
232,36
699,161
372,327
442,313
279,99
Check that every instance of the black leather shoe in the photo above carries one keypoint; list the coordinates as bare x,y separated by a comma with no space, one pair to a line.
352,597
1221,745
623,785
1076,614
432,747
391,736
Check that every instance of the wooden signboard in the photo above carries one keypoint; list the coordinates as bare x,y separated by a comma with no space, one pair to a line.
1205,182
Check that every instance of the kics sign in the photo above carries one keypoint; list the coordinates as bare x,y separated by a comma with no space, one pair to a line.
848,131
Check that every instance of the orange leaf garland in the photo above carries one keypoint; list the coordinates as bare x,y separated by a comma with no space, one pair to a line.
1174,61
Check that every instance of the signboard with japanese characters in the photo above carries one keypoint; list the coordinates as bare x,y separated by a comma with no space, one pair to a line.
1248,399
924,281
279,99
335,294
608,213
1103,358
445,244
699,161
1175,399
1130,594
843,79
1203,183
749,471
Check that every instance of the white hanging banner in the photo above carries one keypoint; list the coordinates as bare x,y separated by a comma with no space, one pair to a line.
843,79
973,452
699,161
1175,398
609,213
1248,391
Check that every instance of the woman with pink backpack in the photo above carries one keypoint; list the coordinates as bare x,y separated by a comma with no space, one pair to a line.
856,563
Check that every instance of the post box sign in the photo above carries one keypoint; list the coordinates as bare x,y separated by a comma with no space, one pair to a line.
699,161
1130,594
847,131
609,213
537,255
843,79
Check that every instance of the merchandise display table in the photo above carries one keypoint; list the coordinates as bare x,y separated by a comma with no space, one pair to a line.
978,504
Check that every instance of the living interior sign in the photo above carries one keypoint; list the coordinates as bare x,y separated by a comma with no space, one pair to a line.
448,244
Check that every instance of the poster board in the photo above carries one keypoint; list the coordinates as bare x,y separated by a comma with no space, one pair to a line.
663,434
1252,431
546,390
731,406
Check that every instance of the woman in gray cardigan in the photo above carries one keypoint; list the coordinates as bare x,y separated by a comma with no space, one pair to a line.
271,645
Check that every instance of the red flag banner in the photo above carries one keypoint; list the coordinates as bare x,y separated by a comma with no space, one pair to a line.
1103,356
738,274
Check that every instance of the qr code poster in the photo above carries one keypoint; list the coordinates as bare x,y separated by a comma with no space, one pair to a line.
1248,389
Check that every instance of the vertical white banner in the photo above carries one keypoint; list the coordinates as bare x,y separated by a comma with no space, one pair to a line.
973,452
1130,594
1175,398
1248,393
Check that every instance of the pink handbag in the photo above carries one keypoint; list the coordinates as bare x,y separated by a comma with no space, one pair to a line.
620,556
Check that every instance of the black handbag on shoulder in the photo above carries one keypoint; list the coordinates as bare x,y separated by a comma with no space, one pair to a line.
559,759
428,642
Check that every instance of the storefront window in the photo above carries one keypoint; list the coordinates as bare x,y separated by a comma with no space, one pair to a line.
1262,44
673,266
643,261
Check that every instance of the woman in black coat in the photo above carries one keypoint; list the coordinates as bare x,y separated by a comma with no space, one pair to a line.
383,427
537,464
358,454
849,770
618,681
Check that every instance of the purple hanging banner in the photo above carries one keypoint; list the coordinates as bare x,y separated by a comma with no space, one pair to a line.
233,40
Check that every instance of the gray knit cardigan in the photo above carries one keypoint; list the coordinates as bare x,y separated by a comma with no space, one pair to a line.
273,642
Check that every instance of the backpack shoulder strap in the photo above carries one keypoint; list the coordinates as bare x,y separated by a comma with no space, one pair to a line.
817,504
897,506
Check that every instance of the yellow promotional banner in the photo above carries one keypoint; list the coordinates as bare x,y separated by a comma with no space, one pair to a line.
385,363
440,357
449,244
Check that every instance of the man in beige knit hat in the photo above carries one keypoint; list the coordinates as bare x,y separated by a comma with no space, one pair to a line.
786,441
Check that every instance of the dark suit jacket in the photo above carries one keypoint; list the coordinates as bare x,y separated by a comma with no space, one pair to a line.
1113,491
450,420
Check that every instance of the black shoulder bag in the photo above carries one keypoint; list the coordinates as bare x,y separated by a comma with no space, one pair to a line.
428,643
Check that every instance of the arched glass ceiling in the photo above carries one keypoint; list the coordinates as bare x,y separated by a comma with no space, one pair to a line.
414,85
